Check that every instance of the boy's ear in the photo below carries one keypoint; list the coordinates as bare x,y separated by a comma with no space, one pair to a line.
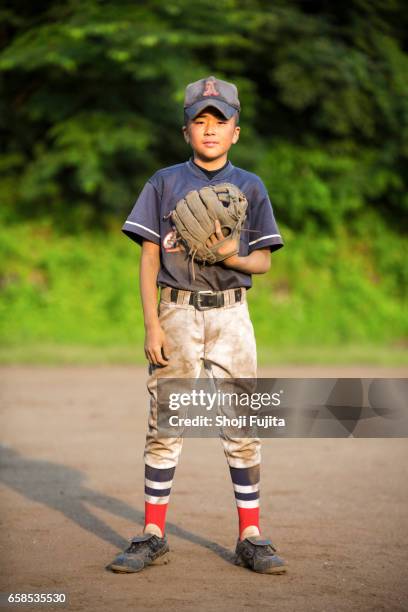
185,134
235,137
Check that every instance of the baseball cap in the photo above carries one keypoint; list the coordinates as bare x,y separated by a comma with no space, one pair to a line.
211,92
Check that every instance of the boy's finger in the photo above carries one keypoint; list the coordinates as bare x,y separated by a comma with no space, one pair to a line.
212,240
150,356
218,230
158,357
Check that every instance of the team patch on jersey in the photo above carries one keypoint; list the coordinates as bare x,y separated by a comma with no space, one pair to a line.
171,243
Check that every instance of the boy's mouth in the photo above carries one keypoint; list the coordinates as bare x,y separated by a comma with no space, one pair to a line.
210,143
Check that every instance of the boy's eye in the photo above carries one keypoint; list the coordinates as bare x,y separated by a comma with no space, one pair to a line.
201,121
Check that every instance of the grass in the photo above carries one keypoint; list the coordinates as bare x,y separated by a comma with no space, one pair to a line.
54,354
74,299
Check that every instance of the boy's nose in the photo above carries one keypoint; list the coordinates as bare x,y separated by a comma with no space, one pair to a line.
210,128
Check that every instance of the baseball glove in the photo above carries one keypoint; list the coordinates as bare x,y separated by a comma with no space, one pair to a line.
194,218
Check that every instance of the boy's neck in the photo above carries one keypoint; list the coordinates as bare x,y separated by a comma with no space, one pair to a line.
213,164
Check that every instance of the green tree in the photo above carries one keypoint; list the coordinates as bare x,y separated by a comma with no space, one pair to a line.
92,96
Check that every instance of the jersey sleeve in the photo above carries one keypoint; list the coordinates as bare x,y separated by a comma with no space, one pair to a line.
143,221
264,229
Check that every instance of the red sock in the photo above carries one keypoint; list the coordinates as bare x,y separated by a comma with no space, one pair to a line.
246,490
158,483
247,518
156,514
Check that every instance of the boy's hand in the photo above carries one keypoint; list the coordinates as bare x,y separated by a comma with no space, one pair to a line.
229,245
155,347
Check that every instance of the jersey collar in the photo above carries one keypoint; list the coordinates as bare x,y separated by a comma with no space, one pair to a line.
202,175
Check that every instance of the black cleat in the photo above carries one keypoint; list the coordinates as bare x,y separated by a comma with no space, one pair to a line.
146,549
258,554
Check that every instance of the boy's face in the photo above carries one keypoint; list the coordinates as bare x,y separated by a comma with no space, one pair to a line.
210,134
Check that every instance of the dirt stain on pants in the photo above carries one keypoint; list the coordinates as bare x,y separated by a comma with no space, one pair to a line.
223,341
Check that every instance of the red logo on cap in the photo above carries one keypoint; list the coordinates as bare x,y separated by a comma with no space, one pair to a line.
209,89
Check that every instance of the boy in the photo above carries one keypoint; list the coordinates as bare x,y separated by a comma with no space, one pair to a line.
203,318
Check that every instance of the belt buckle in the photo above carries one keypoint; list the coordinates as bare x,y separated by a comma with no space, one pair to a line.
197,301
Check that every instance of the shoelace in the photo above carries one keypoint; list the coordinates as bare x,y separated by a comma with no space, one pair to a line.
262,551
138,546
266,550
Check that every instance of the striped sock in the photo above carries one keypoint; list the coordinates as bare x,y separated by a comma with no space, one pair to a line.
246,489
158,483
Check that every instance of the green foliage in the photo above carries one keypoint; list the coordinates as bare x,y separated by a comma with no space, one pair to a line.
83,290
91,106
92,97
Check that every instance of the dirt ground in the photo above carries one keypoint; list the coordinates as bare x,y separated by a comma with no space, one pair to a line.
72,496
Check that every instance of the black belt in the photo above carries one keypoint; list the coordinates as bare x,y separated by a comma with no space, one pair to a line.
203,300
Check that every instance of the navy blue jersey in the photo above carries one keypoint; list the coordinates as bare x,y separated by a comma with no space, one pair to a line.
159,196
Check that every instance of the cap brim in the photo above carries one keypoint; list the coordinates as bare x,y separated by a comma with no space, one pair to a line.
224,108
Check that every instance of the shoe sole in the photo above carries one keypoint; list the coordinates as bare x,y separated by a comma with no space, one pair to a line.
274,570
279,569
123,569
